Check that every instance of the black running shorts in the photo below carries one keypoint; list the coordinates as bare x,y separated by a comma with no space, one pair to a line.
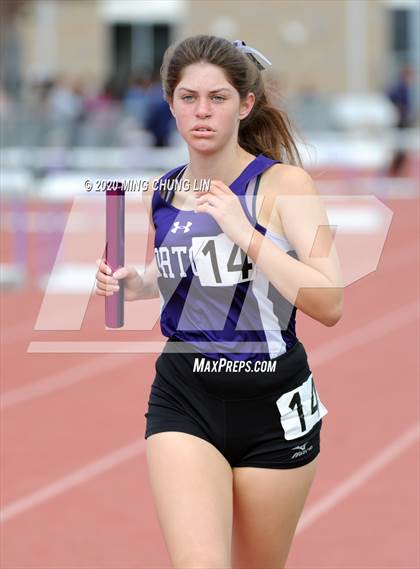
264,414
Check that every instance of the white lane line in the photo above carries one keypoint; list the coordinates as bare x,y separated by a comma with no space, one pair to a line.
71,480
366,333
358,478
400,317
60,380
317,356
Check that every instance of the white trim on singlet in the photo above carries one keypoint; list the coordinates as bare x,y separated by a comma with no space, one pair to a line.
259,287
250,202
260,284
272,329
277,237
281,241
249,194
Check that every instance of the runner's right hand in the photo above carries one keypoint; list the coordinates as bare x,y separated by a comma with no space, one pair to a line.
108,283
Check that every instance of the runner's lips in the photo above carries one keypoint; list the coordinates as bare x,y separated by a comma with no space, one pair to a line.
208,133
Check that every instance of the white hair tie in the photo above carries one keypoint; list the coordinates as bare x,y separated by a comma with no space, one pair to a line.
256,56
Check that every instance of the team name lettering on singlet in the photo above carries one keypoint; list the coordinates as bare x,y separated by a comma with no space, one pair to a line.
169,259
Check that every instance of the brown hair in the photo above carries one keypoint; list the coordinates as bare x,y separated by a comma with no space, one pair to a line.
266,129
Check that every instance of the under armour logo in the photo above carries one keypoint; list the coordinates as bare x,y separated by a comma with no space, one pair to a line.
177,226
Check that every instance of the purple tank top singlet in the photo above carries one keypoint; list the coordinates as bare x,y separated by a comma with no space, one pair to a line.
212,295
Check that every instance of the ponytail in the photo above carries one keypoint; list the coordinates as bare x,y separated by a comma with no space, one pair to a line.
267,130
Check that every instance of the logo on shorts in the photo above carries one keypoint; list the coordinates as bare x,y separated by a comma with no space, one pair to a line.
177,226
302,450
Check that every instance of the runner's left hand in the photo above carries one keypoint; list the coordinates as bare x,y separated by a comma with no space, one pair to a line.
226,209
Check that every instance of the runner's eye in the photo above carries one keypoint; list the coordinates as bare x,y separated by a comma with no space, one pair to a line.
217,98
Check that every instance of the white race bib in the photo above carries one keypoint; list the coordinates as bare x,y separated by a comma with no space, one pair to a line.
220,262
300,410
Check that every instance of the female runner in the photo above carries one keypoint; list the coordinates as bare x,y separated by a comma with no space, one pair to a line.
234,418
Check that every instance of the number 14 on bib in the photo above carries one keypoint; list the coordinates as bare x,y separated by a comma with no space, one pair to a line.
220,262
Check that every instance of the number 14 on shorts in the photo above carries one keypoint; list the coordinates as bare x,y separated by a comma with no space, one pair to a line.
300,409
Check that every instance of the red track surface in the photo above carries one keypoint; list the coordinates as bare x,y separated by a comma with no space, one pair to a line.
362,511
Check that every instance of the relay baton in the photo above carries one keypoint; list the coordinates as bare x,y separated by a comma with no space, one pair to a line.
114,251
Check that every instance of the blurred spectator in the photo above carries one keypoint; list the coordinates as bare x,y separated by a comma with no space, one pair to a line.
7,116
135,98
103,99
36,128
103,110
400,95
6,103
63,102
65,105
159,119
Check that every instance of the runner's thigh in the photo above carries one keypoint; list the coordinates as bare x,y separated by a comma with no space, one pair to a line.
192,488
267,505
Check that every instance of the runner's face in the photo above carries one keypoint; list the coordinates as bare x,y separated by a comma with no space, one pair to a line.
205,98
